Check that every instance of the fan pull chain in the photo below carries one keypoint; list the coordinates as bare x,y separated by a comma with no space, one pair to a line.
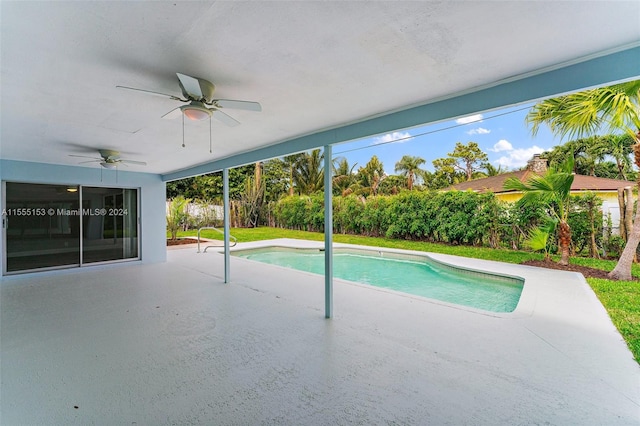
183,130
210,150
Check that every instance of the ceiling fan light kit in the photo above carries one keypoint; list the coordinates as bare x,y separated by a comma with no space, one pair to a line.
196,111
107,165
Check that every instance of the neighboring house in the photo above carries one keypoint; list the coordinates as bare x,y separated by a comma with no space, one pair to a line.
605,189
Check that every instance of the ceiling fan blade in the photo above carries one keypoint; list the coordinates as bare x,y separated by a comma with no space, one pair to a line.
92,161
224,118
230,103
175,98
138,163
84,156
191,85
174,113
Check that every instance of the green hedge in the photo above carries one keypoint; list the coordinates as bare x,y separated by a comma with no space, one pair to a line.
453,217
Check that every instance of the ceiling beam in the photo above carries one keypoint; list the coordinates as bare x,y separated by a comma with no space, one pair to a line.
596,70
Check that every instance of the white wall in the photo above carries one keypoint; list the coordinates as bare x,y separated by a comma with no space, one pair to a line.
613,209
152,196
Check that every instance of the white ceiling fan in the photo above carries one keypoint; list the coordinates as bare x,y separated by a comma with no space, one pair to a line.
109,159
198,93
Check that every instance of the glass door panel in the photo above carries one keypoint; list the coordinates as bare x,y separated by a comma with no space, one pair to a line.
110,224
42,226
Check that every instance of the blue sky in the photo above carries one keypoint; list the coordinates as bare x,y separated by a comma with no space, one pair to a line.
502,134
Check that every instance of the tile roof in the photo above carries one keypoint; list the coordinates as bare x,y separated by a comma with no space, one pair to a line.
495,184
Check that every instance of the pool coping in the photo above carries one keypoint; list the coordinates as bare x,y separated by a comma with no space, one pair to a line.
533,287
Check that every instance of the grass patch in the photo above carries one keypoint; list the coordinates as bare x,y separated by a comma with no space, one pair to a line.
622,301
620,298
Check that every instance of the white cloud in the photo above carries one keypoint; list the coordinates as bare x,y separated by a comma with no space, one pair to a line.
517,158
502,145
477,118
392,137
479,131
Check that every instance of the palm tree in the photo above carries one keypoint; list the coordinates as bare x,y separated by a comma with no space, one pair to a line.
344,179
370,176
620,149
290,162
409,167
308,174
593,152
584,113
493,170
554,190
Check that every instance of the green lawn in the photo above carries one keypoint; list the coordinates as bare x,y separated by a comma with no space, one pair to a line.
620,298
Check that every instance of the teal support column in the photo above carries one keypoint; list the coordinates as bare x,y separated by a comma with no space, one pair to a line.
225,202
328,233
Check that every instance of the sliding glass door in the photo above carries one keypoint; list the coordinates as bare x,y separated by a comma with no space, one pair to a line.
110,225
54,226
41,227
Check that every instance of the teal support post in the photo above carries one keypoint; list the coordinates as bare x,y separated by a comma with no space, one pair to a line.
225,191
328,233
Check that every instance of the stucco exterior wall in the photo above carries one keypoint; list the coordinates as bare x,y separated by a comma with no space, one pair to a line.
609,205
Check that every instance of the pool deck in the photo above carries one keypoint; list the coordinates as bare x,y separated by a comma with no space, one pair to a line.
170,343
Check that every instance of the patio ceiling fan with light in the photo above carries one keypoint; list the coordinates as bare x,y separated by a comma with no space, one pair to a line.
109,159
198,93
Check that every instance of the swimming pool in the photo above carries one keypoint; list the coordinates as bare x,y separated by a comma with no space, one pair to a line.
412,274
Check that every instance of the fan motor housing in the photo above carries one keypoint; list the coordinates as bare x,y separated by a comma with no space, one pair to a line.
206,87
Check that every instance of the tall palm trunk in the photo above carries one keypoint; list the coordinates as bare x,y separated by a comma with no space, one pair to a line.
564,238
622,271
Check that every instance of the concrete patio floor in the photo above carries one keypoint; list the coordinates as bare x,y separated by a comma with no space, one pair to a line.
171,343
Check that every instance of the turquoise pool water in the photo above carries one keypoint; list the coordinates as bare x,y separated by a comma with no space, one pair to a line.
409,274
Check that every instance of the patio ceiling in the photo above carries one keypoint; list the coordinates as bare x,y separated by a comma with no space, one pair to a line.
313,66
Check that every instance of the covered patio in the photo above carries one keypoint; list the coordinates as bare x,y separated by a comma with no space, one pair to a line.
180,338
172,344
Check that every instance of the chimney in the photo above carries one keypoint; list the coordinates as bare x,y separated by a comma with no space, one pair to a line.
537,164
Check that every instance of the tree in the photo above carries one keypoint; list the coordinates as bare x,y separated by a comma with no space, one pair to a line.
290,163
276,179
583,114
209,187
370,176
177,215
391,185
593,152
493,170
554,190
471,157
409,167
344,180
592,155
252,197
308,172
587,154
445,173
620,148
467,159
